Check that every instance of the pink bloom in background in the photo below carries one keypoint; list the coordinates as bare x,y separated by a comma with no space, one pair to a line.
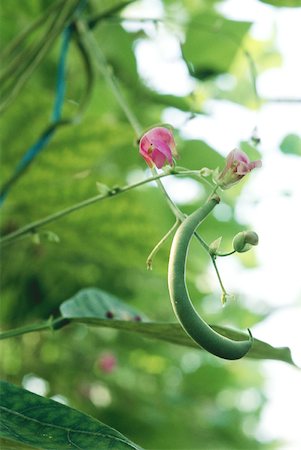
157,146
107,362
237,166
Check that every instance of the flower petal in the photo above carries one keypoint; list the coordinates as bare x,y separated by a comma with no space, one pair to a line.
242,168
158,140
255,164
163,148
241,156
146,157
159,158
144,143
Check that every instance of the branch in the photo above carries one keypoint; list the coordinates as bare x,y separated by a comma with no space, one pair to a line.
34,226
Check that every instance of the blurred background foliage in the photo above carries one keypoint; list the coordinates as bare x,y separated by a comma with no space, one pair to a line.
159,395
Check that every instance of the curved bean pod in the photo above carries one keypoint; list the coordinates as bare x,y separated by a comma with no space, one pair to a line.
192,323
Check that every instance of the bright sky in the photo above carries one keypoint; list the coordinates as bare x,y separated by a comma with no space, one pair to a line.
274,216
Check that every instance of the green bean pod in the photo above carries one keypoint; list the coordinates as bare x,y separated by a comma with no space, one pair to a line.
188,317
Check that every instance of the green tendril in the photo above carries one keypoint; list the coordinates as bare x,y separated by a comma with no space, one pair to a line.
188,317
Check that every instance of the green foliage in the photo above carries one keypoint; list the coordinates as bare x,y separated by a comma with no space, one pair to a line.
156,386
283,3
44,423
212,43
95,303
99,308
291,144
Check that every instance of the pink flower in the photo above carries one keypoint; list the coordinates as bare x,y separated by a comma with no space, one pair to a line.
237,166
107,362
157,146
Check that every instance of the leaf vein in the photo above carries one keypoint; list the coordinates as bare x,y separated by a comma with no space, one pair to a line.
59,427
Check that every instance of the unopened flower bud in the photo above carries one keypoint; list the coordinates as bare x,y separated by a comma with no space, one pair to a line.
157,147
215,245
237,166
205,172
244,240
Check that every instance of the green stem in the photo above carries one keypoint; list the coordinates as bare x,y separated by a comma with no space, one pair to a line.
149,261
107,73
176,211
20,39
34,226
224,292
49,325
226,254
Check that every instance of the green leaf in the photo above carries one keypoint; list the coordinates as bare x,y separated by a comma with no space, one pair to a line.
173,333
212,43
283,3
197,154
6,444
98,308
44,423
98,304
291,144
91,306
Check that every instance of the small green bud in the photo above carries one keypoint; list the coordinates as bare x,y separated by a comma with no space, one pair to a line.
244,240
103,189
225,297
205,172
215,245
52,237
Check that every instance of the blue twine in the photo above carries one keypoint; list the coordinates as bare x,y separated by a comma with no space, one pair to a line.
46,136
61,82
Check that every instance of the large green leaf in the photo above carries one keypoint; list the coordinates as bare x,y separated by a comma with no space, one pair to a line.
44,423
212,43
197,154
98,304
174,333
98,308
91,306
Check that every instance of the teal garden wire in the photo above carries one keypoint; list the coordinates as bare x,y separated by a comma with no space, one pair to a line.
45,137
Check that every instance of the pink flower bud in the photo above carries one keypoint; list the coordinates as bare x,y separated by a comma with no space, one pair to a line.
237,166
157,147
107,362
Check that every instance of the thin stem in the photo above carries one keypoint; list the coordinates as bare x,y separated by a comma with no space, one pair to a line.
224,292
108,14
107,73
112,82
109,77
149,261
177,212
282,100
10,49
50,324
34,226
225,254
